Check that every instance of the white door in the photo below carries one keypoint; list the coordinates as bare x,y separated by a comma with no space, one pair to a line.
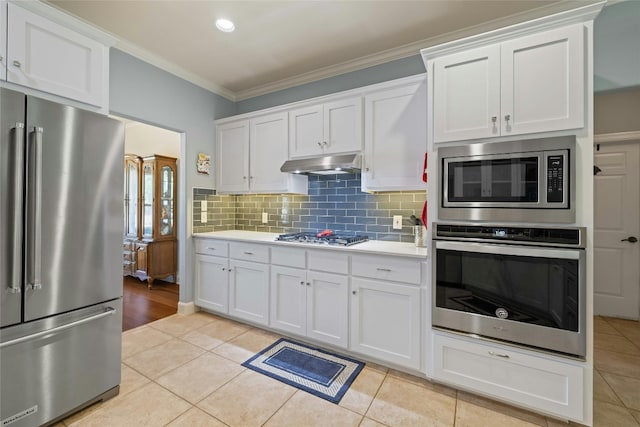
232,160
327,308
395,138
305,131
289,299
342,126
269,148
212,283
466,95
542,81
617,219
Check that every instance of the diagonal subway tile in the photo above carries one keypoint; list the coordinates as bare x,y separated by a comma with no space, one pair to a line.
196,379
305,409
194,417
250,399
215,333
150,405
246,345
402,403
626,388
163,358
179,324
140,339
470,415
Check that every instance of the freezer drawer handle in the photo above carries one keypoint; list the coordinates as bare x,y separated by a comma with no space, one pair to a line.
34,209
17,132
108,311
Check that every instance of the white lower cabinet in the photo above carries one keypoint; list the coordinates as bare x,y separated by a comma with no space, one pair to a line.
249,291
385,308
309,303
212,283
536,381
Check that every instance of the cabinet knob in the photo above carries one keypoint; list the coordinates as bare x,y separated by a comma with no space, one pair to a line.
302,282
308,284
494,118
319,144
244,177
1,58
325,143
353,292
507,117
17,63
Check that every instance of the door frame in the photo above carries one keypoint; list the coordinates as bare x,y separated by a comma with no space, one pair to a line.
616,138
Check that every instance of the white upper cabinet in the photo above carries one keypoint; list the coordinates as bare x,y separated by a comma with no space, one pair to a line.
250,153
47,56
329,128
395,137
3,40
529,84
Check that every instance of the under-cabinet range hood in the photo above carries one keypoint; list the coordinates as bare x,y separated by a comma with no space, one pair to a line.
324,165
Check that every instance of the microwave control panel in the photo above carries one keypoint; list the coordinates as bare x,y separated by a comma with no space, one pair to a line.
555,178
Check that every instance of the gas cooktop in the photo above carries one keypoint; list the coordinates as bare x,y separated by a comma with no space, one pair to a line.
324,238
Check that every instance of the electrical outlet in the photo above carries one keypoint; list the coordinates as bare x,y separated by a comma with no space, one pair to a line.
203,205
203,217
265,217
397,222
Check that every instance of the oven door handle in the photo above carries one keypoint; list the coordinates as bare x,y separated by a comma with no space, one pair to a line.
529,251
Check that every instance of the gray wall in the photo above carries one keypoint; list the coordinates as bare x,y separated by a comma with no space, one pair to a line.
617,111
147,94
368,76
617,47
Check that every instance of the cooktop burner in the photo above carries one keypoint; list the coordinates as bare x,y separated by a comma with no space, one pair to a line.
324,238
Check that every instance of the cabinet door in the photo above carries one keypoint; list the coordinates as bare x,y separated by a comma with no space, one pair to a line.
232,160
538,383
3,40
49,57
212,283
342,126
395,138
466,95
327,308
385,321
305,131
249,291
269,148
543,81
142,253
288,299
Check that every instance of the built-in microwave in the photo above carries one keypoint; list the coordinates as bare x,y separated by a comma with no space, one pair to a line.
527,180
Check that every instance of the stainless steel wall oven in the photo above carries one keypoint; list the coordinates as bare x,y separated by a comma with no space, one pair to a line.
524,285
528,180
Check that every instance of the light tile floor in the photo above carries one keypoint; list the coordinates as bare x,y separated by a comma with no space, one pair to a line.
185,371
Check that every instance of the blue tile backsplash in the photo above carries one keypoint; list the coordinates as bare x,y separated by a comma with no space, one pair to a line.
334,202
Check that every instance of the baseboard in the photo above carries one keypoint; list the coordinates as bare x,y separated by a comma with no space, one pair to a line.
187,307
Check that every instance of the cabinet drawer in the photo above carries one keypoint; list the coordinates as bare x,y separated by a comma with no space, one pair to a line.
328,261
212,247
537,382
128,245
387,268
289,257
129,256
249,252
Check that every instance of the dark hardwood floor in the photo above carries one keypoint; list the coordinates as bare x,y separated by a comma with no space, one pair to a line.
141,305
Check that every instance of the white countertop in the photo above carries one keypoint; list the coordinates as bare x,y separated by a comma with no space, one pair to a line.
375,247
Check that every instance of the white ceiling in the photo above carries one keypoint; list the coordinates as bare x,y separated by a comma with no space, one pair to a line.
278,44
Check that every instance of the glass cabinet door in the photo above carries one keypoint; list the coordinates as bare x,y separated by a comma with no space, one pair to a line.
132,196
147,200
167,207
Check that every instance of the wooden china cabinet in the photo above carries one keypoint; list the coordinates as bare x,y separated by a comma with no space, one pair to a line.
155,245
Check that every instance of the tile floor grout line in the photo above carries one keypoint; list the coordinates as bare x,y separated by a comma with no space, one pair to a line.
376,394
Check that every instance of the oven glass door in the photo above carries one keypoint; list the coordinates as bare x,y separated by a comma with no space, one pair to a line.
539,286
492,179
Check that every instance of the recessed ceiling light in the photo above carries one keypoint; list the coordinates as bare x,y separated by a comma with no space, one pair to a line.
225,25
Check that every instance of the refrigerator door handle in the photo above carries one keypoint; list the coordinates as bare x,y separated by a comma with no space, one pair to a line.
108,311
34,210
17,136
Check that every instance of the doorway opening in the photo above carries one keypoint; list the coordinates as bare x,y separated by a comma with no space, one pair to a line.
150,238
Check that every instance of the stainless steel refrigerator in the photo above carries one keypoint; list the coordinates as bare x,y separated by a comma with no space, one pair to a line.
61,224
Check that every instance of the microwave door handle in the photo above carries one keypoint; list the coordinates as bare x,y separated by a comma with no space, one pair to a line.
34,210
15,206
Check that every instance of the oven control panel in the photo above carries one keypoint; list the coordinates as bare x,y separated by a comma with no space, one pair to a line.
555,179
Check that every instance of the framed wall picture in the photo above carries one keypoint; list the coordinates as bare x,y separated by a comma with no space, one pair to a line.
204,163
